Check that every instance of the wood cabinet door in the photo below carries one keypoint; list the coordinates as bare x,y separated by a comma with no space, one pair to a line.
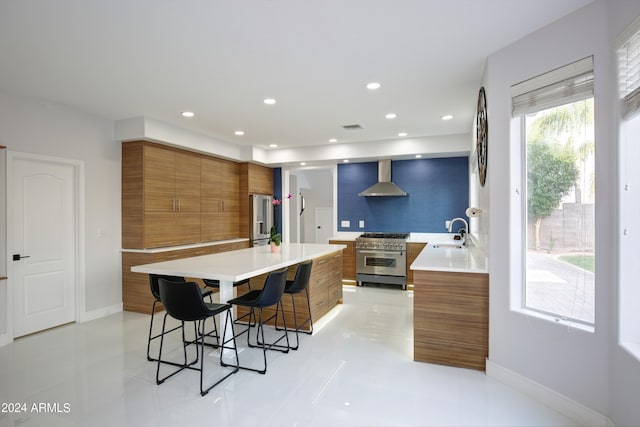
187,182
230,186
159,179
210,185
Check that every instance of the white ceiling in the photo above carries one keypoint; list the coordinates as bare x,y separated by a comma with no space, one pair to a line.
156,58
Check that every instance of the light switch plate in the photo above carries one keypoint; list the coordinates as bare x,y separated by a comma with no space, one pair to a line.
361,224
345,223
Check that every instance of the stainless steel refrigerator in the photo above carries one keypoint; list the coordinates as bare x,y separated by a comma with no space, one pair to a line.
260,218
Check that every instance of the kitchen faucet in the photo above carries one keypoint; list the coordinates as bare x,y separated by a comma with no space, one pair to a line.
465,238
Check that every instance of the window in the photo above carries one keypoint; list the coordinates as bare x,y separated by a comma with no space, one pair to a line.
628,49
557,112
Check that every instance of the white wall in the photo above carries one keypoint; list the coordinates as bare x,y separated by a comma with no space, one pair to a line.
3,238
317,187
625,369
572,362
32,126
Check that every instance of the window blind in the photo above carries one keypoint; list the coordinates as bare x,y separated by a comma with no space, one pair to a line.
563,85
628,49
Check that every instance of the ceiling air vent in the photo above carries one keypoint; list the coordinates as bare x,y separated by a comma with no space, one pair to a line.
352,127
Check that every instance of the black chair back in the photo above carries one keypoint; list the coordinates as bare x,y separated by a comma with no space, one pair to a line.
182,300
273,289
300,282
153,283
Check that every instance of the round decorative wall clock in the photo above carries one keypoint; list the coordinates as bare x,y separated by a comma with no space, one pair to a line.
481,136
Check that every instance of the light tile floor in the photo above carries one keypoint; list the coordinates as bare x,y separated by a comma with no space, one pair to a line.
356,370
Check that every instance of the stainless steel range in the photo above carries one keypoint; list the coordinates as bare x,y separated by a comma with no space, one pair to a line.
382,258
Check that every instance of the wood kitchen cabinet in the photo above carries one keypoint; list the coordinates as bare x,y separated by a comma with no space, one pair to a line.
254,179
173,197
451,318
348,259
325,291
136,295
220,209
160,196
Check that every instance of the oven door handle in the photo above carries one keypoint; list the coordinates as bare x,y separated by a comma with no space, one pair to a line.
381,252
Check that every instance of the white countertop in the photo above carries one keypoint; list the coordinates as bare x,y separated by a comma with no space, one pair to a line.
413,237
181,247
240,264
465,260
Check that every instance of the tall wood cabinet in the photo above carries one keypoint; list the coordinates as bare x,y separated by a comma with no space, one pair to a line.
160,196
173,197
219,214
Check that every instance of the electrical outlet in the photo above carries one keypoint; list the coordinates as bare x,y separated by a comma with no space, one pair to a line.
361,224
446,224
345,224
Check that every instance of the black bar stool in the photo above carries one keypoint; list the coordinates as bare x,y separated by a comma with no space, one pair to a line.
215,284
299,283
269,295
155,291
183,301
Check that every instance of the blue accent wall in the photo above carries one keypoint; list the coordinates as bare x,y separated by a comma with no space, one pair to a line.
438,190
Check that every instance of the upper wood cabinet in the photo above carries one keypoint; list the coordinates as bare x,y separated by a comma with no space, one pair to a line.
219,194
160,196
254,179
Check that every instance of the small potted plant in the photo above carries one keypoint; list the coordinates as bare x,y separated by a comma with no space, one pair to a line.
275,239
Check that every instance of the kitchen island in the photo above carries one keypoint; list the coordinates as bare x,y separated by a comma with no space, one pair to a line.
451,306
325,284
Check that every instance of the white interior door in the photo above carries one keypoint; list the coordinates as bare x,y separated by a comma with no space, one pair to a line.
323,225
43,238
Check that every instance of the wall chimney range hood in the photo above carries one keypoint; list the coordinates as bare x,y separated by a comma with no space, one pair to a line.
384,187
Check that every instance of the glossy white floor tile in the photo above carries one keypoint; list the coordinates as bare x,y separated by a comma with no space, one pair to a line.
356,370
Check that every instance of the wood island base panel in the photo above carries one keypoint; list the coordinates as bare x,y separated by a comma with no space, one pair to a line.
451,318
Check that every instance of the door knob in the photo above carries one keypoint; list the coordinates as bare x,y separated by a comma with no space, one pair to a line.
18,257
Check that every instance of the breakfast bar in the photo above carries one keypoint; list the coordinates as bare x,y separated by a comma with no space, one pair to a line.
325,284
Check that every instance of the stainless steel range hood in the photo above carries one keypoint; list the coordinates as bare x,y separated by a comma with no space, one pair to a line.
384,187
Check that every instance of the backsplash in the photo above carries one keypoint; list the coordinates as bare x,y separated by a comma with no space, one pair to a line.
438,190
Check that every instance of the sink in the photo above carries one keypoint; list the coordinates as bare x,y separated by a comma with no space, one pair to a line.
447,246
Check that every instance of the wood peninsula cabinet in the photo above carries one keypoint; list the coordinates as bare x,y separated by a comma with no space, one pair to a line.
348,259
136,295
451,318
451,307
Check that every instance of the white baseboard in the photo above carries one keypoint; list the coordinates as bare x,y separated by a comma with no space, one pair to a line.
5,339
100,312
561,403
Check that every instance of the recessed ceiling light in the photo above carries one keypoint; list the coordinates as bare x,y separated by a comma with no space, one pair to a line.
418,156
390,116
373,85
303,164
273,145
333,140
239,132
188,114
269,101
345,161
447,117
402,134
